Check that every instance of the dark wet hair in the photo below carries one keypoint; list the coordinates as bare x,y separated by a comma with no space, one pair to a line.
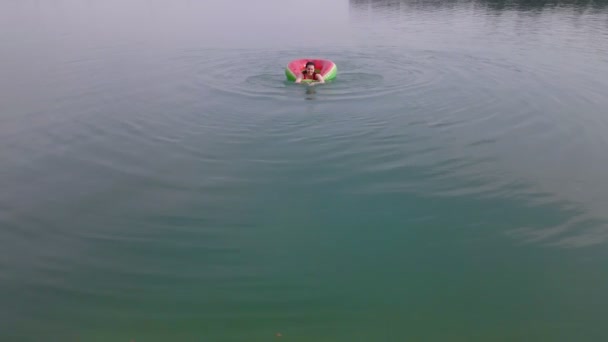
307,64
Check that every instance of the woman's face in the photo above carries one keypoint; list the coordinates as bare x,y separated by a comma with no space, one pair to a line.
310,69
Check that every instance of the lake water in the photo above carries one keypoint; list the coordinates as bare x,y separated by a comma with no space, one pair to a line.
161,181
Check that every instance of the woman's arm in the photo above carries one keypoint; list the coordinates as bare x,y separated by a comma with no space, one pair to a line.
299,79
320,79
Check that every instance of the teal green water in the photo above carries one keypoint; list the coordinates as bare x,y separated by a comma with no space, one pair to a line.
161,181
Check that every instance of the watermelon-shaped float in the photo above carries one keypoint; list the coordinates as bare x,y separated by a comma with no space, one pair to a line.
325,67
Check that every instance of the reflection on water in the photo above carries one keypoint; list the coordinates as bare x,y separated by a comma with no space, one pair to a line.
495,5
503,50
310,91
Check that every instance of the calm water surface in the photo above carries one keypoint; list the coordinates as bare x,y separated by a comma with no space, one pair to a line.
161,181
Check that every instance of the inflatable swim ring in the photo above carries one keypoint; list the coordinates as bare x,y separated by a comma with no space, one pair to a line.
325,67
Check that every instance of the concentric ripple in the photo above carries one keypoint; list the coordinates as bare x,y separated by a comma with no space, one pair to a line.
360,76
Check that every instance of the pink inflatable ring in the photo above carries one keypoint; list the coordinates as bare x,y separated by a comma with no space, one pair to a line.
325,67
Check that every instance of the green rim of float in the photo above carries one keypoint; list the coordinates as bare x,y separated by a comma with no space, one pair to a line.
325,67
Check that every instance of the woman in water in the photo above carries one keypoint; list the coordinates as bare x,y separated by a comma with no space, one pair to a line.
310,74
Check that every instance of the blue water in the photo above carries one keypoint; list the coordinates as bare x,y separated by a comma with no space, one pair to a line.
161,180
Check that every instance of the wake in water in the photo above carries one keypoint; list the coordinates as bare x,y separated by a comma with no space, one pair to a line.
469,109
360,76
